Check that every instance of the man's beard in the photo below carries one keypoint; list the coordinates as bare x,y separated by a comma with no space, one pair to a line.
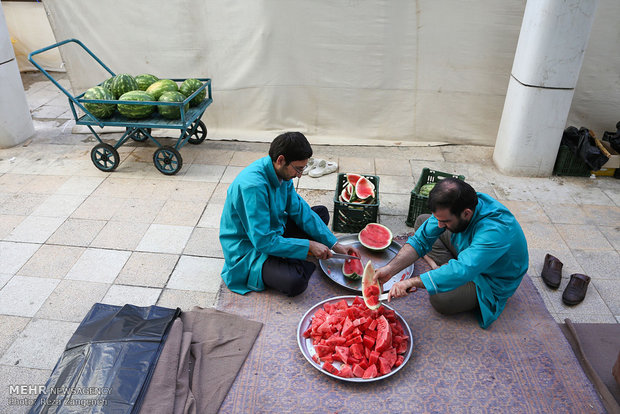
461,226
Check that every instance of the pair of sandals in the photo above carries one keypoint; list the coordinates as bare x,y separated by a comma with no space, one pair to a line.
317,167
577,286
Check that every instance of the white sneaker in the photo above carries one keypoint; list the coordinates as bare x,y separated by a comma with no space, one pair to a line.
312,162
322,168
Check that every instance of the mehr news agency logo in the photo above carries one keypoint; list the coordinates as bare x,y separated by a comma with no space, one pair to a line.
27,394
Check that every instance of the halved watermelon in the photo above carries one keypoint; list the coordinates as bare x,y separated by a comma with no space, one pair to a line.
364,188
352,268
370,289
375,237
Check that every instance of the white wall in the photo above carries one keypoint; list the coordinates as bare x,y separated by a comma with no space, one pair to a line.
341,71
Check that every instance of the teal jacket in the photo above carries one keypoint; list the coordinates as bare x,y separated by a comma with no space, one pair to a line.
257,207
492,252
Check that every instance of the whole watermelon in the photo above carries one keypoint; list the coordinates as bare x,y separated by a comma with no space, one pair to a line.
123,83
171,111
136,111
100,110
161,86
188,87
145,80
108,84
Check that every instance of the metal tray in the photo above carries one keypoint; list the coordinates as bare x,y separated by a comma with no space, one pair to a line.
307,349
333,267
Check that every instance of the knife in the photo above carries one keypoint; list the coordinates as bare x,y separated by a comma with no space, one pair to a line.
383,296
344,256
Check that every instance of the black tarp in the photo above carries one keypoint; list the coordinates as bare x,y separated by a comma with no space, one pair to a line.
108,362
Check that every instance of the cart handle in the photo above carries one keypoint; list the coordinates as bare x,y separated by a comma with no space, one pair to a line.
50,77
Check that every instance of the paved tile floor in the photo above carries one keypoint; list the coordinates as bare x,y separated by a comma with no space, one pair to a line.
71,235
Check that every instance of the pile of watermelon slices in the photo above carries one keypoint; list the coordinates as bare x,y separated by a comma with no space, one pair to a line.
357,189
352,341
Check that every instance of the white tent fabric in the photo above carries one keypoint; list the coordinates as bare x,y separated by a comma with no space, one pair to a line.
392,71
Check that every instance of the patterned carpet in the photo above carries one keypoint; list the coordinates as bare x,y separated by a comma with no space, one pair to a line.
521,364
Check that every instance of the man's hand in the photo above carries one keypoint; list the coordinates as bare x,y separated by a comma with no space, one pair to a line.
318,250
403,288
382,275
339,248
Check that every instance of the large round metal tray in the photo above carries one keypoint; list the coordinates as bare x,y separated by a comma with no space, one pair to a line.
333,267
307,349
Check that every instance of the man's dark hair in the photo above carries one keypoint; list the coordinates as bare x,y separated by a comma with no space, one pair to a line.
293,145
453,194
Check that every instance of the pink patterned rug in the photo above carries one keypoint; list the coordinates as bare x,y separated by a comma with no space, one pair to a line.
521,364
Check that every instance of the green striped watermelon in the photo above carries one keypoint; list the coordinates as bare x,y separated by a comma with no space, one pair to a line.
145,80
108,84
161,86
123,83
100,110
171,111
136,111
189,86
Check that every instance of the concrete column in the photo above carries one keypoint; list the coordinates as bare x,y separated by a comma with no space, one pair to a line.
552,42
15,120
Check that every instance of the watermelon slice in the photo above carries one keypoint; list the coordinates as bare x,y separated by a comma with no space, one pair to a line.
364,188
370,289
352,268
384,335
375,237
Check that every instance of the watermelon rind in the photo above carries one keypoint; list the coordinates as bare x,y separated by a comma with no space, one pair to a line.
171,111
163,85
188,87
100,110
345,196
136,111
364,188
145,80
122,84
353,178
367,280
375,237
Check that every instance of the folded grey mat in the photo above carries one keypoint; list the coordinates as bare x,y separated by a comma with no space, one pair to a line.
596,346
200,360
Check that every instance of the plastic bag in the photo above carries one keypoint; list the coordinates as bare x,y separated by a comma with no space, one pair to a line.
581,143
108,362
613,138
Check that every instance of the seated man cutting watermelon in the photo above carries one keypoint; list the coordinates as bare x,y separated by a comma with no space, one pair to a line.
267,230
478,245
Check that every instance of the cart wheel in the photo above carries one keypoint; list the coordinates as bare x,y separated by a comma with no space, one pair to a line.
167,160
105,157
199,135
139,136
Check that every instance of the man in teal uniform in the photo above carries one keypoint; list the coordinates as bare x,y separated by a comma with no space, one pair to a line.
479,249
267,230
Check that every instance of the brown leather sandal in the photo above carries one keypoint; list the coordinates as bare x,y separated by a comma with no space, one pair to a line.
552,271
576,289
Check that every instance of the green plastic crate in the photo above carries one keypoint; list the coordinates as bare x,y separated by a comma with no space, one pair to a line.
418,204
569,164
353,217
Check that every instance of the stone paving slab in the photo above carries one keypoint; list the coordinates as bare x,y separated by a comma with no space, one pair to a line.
40,344
71,300
53,261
